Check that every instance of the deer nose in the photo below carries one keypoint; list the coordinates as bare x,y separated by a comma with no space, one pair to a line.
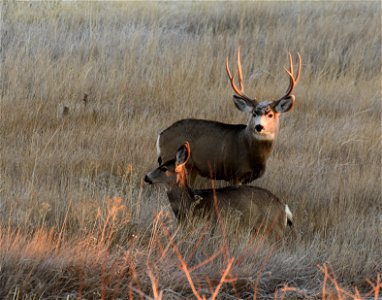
259,127
148,180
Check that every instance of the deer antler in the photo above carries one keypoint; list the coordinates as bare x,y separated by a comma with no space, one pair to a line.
292,80
239,92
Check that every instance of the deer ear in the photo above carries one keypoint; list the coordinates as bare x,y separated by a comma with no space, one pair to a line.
284,105
183,154
242,104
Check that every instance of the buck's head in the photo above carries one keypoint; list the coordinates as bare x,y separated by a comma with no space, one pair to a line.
172,172
264,115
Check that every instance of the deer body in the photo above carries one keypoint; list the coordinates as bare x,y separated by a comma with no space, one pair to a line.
255,207
226,151
235,153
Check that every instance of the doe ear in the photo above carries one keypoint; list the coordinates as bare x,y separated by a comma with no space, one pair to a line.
284,105
243,105
183,154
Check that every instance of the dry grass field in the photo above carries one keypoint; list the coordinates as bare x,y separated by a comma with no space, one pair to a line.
76,219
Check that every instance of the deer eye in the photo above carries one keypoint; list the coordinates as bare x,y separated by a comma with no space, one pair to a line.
270,116
163,169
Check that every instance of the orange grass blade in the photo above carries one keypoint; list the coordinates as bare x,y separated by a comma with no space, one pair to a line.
208,260
324,284
226,272
340,292
154,283
183,264
376,287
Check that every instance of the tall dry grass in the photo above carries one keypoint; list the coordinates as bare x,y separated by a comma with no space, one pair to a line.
76,221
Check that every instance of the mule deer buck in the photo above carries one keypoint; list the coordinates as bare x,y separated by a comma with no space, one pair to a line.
231,152
255,207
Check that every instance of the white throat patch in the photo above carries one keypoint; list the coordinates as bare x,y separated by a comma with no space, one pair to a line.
263,135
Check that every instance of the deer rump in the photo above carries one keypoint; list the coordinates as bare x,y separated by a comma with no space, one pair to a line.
220,151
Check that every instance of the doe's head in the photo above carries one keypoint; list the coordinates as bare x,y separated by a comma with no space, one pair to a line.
172,172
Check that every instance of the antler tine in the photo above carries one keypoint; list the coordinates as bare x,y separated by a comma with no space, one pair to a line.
238,91
291,76
231,78
240,71
292,79
229,74
299,67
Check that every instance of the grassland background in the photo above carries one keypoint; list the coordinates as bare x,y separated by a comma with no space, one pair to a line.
71,195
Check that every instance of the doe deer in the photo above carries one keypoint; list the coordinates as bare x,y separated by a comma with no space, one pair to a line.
231,152
255,207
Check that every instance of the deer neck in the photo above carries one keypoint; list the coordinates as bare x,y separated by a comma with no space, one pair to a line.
180,198
262,147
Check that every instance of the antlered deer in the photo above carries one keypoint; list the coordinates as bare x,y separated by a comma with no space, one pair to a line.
256,207
231,152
